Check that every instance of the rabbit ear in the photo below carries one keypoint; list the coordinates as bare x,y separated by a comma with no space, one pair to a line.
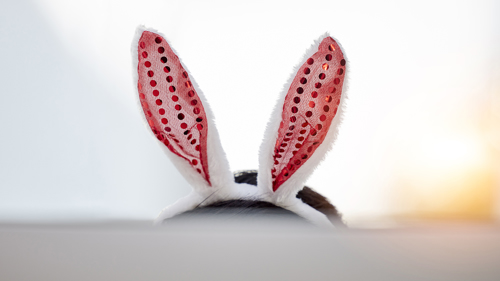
305,121
178,114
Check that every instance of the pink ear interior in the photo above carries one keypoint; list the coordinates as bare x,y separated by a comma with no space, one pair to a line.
310,105
171,105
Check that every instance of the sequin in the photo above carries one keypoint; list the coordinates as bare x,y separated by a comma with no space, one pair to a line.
194,102
166,142
295,109
150,114
166,69
164,59
199,119
161,111
197,148
302,132
304,124
190,94
199,127
144,54
328,57
300,90
142,96
188,84
296,100
312,104
326,108
147,64
175,98
331,47
158,102
151,73
152,83
293,119
184,126
196,110
180,116
142,44
304,156
313,132
322,76
310,61
291,128
317,85
309,114
314,94
298,145
155,93
139,85
336,81
158,40
164,120
332,90
297,162
328,98
322,118
161,50
307,70
342,62
178,107
340,71
325,66
170,79
184,74
171,89
319,127
194,162
300,139
193,141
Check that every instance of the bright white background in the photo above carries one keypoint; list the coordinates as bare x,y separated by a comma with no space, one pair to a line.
423,108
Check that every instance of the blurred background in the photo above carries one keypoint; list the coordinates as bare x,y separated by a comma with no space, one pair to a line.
420,140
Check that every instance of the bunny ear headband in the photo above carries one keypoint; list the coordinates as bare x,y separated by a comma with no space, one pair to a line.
302,128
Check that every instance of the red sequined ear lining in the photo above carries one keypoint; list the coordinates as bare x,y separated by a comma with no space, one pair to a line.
170,103
310,106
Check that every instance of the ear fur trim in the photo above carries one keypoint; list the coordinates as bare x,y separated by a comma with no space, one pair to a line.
218,165
296,181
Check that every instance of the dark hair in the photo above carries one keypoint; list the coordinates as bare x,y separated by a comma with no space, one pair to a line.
240,207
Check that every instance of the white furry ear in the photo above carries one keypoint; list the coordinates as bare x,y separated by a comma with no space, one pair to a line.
304,123
177,113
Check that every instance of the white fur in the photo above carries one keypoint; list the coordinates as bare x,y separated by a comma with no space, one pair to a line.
296,182
300,208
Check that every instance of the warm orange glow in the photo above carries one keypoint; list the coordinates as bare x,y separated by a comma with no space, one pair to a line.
448,177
